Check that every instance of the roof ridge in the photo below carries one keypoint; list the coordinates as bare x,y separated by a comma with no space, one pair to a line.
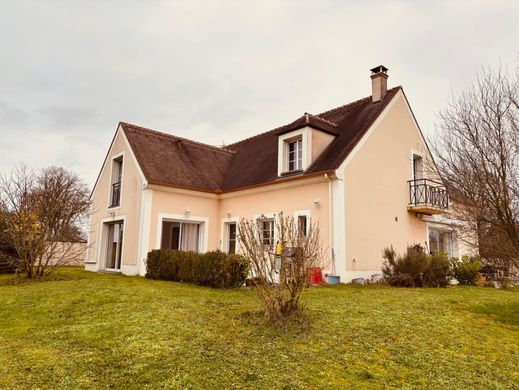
353,103
176,137
318,116
322,119
257,135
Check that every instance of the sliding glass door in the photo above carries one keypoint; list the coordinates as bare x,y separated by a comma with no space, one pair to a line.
114,245
182,236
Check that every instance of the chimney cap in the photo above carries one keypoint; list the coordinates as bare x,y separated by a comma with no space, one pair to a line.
379,69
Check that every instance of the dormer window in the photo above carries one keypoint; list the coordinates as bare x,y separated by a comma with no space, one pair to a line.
301,142
295,155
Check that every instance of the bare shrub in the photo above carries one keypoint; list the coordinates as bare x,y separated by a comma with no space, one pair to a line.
40,213
280,278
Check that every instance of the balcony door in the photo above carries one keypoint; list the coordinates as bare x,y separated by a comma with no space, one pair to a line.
114,246
418,173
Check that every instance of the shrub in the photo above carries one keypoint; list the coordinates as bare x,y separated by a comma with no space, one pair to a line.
281,271
9,261
415,268
505,282
466,270
214,269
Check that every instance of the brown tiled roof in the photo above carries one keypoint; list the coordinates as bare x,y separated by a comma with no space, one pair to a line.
255,159
174,161
170,160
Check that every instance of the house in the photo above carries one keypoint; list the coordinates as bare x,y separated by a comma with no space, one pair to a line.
362,171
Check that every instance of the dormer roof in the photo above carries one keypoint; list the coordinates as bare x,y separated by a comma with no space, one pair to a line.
312,121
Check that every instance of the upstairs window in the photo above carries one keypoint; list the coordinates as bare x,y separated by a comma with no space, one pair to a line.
117,177
295,155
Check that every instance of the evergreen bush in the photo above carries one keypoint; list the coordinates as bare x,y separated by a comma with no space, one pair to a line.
214,269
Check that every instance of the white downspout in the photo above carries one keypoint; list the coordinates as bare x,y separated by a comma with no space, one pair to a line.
330,219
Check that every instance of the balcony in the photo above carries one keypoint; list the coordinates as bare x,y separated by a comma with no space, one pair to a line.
427,197
116,194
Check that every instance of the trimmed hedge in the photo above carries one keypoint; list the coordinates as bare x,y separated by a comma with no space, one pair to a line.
214,269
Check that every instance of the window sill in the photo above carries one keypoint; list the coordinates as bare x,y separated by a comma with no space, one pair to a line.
291,173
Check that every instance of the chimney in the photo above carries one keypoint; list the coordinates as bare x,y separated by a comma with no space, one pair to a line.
378,83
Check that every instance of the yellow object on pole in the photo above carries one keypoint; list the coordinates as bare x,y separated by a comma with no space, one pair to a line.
279,248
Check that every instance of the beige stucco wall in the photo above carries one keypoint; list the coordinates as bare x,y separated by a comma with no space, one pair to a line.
200,205
213,210
288,199
68,253
131,191
376,191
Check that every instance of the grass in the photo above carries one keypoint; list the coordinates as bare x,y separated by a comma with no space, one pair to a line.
88,330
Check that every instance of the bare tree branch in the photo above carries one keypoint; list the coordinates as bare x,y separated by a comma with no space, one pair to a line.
281,276
42,212
477,151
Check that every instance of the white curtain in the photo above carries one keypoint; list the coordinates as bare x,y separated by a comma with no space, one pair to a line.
189,234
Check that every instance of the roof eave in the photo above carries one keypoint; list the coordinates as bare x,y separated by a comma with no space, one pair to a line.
330,174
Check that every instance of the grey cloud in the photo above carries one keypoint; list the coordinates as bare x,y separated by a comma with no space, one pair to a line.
63,116
223,70
13,116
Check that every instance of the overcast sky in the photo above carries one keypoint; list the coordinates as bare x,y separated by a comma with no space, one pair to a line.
220,71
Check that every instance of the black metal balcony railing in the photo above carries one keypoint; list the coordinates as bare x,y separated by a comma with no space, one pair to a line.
429,193
116,194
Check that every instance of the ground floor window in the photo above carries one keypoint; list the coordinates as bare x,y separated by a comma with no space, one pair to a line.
441,241
231,238
266,231
184,236
302,225
114,246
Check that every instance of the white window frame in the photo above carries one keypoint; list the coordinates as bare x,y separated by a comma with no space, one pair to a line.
203,231
417,156
305,134
272,216
103,237
224,237
454,245
303,213
298,154
110,189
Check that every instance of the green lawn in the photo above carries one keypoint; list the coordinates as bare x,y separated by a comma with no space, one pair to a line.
111,331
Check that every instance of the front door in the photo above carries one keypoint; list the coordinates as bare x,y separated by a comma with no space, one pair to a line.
114,246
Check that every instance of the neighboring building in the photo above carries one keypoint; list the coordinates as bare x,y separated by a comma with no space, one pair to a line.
68,253
359,170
